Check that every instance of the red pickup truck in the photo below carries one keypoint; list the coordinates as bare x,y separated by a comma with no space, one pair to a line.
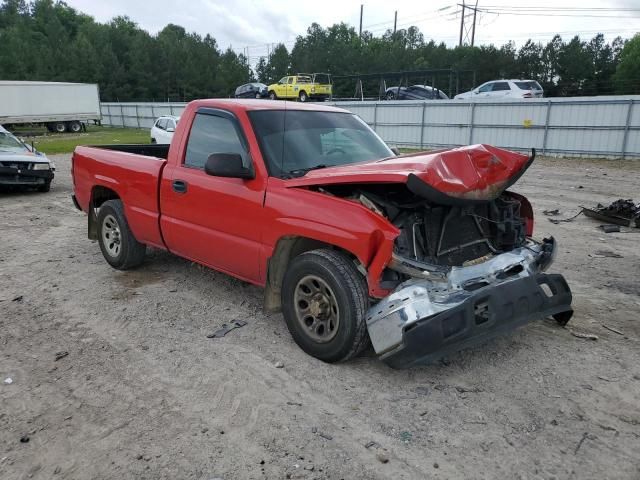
419,254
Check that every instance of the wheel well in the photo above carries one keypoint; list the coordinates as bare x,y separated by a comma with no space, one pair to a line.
286,250
99,195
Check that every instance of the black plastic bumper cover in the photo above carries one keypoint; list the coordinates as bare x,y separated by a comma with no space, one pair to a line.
491,311
15,176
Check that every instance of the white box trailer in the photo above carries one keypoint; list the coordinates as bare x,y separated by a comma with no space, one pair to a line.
59,106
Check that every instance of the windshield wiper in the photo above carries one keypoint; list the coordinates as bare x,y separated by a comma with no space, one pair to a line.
301,172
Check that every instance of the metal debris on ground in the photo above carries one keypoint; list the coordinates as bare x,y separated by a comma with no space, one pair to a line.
610,228
611,329
606,254
551,213
60,355
17,299
226,328
566,220
8,381
621,212
586,336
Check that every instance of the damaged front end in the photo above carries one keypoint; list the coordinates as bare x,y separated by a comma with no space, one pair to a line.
425,319
464,267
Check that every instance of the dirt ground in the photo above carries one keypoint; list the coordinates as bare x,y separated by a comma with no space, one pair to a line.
144,394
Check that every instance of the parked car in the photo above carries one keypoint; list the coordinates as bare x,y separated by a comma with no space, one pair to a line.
422,254
302,87
504,89
252,90
163,129
415,92
21,165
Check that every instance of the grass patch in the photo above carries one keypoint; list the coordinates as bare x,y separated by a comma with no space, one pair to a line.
52,143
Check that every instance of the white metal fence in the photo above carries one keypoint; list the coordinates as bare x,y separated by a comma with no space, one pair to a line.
581,127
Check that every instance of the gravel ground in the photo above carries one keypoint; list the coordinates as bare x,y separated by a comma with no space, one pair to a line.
144,394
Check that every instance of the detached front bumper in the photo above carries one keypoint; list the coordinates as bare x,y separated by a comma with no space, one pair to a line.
424,320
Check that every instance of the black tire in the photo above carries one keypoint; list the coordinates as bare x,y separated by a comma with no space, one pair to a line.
59,127
258,96
153,141
391,96
74,126
272,95
351,298
45,188
130,253
303,97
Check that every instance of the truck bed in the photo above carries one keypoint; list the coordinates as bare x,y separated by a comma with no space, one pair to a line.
132,173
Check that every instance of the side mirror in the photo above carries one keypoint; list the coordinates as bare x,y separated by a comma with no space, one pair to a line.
396,151
227,165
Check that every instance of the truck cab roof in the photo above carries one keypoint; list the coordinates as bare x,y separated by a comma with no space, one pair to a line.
249,104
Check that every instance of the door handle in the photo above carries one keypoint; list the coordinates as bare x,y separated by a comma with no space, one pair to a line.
179,186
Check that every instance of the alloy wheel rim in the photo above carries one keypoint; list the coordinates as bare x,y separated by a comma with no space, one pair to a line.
111,235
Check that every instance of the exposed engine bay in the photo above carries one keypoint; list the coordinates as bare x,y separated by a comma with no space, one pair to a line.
436,236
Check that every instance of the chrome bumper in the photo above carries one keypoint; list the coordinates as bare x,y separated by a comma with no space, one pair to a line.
424,319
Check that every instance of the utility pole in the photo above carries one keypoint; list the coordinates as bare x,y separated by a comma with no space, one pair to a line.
467,35
361,10
395,22
461,23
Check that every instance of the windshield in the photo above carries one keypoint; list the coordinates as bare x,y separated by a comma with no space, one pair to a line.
10,143
293,142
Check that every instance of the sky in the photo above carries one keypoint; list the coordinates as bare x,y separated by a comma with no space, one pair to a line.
251,27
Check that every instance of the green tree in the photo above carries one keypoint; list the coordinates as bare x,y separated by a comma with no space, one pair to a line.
627,76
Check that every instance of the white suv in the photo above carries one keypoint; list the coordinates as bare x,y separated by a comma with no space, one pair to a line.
503,89
163,128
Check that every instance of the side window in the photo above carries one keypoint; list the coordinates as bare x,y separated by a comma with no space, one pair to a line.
283,80
290,80
162,124
485,88
171,125
211,134
501,86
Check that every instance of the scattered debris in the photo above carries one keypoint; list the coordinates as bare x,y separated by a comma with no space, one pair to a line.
610,228
382,457
585,436
8,381
621,212
551,213
421,390
611,329
278,365
61,355
606,254
462,389
435,465
326,436
314,429
24,439
295,404
17,299
607,379
586,336
226,328
566,220
405,437
372,444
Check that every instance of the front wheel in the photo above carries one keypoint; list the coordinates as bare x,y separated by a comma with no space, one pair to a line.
303,96
324,303
272,95
45,187
118,245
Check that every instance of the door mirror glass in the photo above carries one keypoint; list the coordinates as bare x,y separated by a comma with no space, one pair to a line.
395,150
227,165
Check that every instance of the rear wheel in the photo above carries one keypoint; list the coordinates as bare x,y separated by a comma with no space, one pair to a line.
75,126
59,127
303,96
118,245
324,303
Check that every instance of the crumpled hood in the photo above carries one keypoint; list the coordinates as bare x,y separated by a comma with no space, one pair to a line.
475,172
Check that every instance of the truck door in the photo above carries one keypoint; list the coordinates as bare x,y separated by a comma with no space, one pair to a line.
213,220
291,85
